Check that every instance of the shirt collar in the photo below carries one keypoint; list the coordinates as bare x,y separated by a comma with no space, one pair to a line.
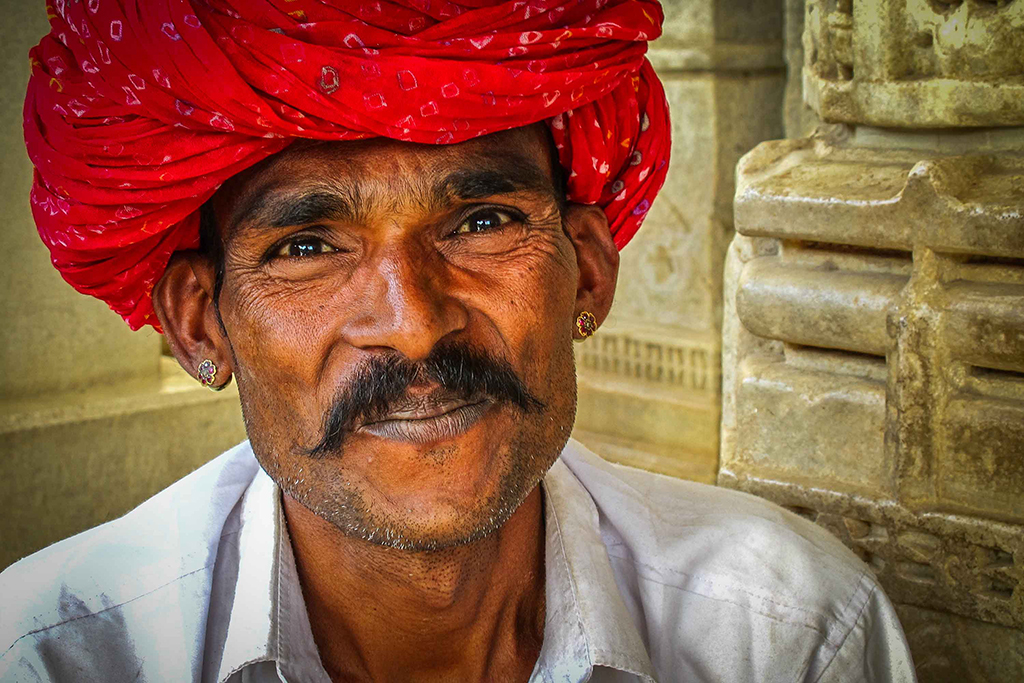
251,634
586,621
268,621
585,610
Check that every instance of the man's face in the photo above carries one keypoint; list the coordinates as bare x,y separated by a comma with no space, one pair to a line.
400,321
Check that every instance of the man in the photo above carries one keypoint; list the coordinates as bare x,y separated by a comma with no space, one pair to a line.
388,221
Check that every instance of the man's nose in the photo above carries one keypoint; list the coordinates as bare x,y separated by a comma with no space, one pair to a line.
408,303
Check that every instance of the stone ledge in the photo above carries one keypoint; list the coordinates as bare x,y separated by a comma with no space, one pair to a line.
695,464
173,388
802,190
641,426
77,460
938,103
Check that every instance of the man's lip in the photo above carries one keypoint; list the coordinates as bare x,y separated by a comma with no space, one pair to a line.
425,411
430,425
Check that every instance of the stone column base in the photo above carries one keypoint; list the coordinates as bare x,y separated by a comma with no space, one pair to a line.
873,370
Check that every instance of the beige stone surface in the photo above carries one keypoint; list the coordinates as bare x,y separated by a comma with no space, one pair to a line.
952,649
52,339
915,63
649,380
799,118
93,420
649,398
873,369
718,35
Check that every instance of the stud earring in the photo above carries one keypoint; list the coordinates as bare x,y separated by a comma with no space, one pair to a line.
207,372
586,325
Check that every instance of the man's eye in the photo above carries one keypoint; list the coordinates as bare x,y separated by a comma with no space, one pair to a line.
482,221
304,246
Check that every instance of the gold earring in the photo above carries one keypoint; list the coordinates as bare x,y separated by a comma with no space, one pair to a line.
586,325
207,372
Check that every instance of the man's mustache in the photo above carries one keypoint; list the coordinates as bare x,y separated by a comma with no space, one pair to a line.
380,387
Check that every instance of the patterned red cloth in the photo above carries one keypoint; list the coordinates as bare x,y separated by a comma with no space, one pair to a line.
138,110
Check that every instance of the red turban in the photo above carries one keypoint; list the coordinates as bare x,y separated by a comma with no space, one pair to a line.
138,110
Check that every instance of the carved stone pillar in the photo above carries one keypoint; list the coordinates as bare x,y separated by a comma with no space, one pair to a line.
873,357
650,379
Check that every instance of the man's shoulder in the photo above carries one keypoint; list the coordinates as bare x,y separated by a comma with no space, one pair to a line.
725,573
695,528
172,535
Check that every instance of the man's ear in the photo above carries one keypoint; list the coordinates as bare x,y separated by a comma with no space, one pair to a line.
596,257
183,300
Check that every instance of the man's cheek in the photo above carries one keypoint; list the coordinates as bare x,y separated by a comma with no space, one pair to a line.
543,284
262,306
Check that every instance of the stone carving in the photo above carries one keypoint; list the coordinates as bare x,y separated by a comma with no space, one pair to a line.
874,366
687,365
915,63
649,397
649,391
949,563
665,275
829,39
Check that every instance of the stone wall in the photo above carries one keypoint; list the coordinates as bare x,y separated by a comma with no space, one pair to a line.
650,378
93,418
873,364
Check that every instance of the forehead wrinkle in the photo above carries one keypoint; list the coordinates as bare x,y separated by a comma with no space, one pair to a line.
396,193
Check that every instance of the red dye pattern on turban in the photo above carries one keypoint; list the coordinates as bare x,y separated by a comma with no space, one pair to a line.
138,110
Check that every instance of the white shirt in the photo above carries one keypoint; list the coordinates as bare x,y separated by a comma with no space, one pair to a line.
648,578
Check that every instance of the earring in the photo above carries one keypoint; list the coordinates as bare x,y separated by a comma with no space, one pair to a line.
586,324
207,372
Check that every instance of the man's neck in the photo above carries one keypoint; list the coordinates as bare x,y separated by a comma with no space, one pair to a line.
470,613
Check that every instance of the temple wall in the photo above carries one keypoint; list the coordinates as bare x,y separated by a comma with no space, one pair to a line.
863,365
650,379
873,361
93,418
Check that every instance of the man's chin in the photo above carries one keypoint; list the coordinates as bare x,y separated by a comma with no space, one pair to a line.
419,526
426,541
431,497
446,481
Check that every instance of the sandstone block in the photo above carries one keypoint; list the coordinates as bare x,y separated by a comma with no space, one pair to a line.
915,63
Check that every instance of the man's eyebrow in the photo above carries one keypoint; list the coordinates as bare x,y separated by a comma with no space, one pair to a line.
273,208
282,209
511,172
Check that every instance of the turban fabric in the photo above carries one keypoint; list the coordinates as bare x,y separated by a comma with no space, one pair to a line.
138,110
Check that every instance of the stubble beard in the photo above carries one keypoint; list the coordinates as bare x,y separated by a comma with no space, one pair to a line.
349,511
